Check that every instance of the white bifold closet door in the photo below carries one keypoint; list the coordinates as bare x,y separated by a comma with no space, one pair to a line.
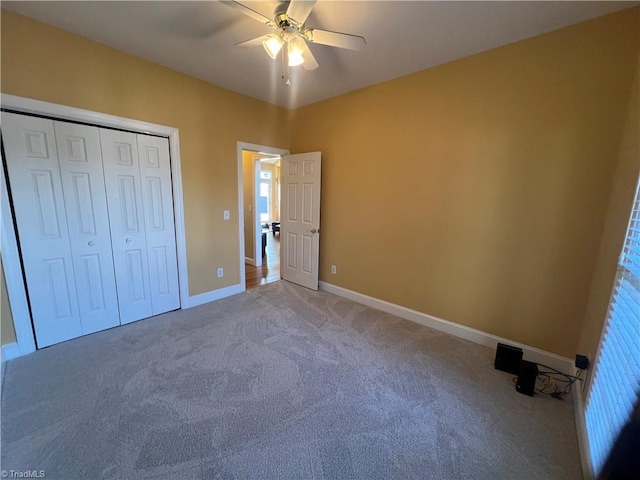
138,180
95,225
88,224
157,201
55,172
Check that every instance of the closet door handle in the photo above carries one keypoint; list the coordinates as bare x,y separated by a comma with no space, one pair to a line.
129,240
91,243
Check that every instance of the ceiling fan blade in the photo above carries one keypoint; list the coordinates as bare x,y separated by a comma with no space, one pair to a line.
254,42
249,12
299,10
335,39
310,62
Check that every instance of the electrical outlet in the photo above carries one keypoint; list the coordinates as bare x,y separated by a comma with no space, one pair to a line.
334,269
226,215
220,272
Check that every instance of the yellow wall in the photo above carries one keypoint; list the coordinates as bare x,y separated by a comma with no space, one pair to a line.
276,194
249,215
617,220
476,191
7,331
46,63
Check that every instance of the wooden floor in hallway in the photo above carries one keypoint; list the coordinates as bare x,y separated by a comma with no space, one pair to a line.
270,269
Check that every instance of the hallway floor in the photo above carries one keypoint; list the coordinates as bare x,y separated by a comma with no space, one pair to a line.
270,269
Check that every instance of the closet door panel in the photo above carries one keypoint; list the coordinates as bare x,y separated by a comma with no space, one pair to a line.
157,196
86,207
38,202
126,218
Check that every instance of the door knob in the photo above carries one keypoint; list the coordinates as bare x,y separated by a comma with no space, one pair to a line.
91,243
129,240
313,230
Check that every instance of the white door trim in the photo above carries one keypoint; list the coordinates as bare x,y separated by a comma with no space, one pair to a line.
25,342
11,261
252,147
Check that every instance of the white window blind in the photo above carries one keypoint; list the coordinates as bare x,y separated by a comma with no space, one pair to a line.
616,380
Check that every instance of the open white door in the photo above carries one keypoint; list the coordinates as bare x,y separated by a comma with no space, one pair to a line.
300,218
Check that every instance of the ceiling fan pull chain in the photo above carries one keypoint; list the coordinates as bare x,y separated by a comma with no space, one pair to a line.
283,63
285,69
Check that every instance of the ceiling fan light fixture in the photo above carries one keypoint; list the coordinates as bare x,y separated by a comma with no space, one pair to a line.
272,45
295,47
295,59
289,20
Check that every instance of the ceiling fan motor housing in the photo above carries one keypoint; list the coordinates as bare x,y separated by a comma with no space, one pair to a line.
284,21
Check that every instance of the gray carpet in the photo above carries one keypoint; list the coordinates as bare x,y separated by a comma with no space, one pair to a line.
278,383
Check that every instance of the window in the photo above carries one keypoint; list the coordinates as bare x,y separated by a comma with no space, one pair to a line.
616,380
265,199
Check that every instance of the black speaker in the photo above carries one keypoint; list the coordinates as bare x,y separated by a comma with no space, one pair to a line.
527,375
508,358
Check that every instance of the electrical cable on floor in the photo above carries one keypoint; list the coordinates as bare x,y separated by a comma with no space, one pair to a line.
558,392
548,379
558,372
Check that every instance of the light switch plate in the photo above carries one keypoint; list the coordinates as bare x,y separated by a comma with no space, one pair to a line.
226,215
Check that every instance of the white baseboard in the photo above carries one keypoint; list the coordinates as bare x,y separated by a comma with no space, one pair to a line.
249,261
11,351
477,336
581,430
207,297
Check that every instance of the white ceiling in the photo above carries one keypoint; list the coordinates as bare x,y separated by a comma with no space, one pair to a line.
198,38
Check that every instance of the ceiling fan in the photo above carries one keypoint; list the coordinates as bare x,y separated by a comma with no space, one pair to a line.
289,22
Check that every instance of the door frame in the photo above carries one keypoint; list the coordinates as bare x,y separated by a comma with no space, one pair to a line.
255,148
11,261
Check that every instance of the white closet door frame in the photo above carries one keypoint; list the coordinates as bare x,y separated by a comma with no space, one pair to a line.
25,341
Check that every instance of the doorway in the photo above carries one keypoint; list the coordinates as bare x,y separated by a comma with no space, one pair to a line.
260,197
300,229
266,267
